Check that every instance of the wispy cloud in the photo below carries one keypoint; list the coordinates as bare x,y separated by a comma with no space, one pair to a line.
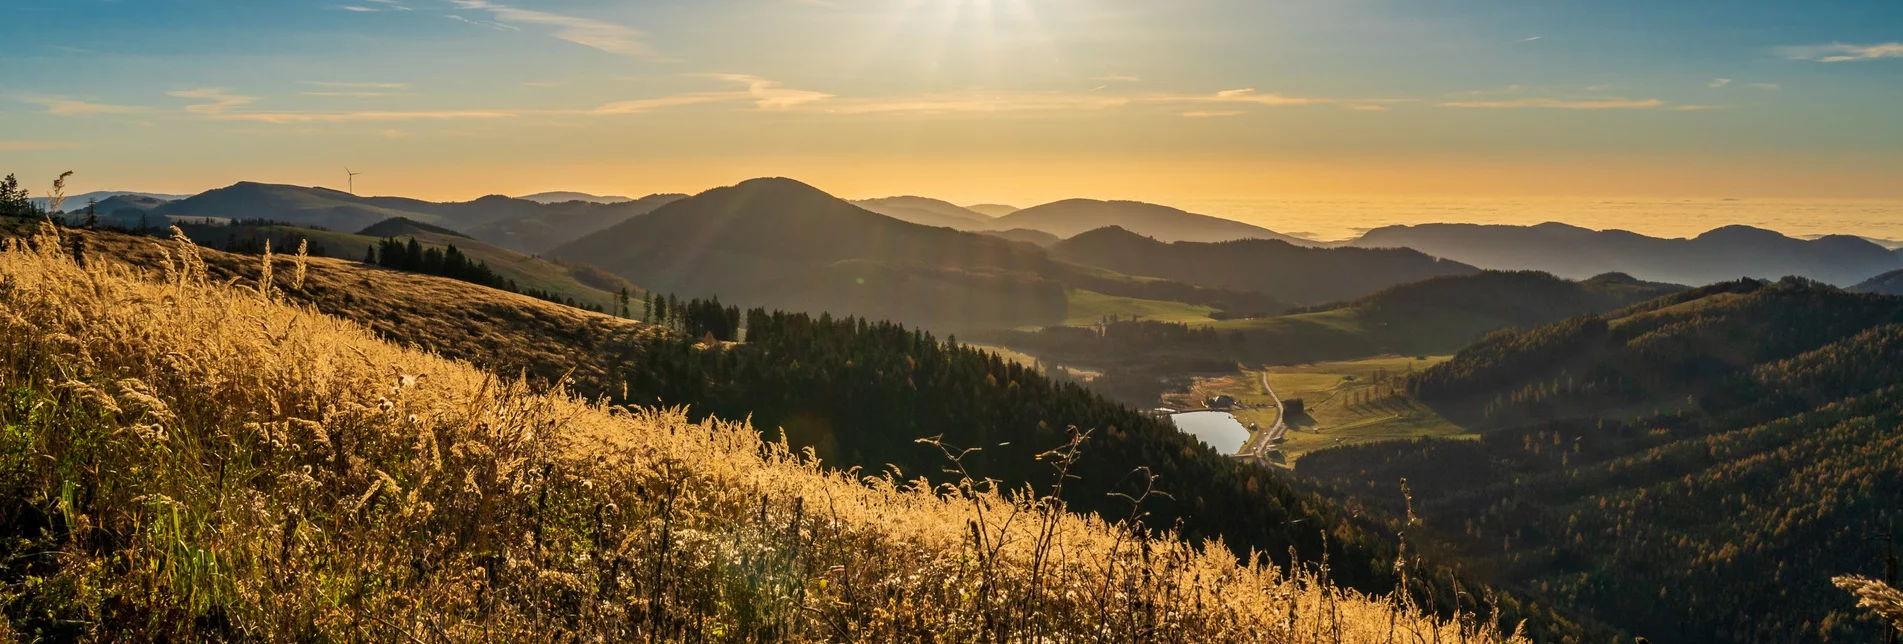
216,100
588,32
1117,78
375,6
358,85
483,23
1564,104
1206,114
1843,53
282,118
974,102
1764,86
26,146
1718,82
1531,39
69,106
764,94
349,94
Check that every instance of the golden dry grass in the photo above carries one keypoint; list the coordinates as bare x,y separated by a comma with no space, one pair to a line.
194,459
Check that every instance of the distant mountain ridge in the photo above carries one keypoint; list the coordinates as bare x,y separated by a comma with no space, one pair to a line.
75,203
926,211
1722,254
565,196
1288,272
993,210
1071,217
517,224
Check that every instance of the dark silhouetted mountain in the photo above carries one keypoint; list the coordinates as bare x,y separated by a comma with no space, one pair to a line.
1723,254
926,212
404,227
1071,217
1026,235
1285,271
555,224
561,196
992,210
1890,283
782,243
1694,468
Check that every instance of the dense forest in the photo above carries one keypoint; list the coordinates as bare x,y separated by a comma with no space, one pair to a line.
1693,468
449,262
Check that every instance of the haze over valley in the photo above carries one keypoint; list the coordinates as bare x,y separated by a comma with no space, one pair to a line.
1002,321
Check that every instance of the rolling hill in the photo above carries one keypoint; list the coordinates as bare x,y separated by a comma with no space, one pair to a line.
1285,271
1074,216
1429,317
1026,235
1696,467
784,244
586,285
1722,254
992,210
927,212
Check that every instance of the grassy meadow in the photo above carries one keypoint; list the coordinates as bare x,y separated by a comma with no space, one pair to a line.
1346,403
1087,308
190,458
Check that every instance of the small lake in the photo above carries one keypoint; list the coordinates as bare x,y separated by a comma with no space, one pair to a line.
1218,429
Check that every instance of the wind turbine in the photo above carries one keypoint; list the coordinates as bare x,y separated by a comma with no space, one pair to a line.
352,176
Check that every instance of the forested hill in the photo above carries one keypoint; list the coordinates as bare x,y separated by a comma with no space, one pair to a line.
1694,468
1433,316
1890,283
1505,298
1285,271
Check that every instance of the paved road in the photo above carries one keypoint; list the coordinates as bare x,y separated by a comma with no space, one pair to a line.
1266,440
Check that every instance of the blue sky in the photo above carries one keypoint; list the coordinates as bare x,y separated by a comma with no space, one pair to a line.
1004,99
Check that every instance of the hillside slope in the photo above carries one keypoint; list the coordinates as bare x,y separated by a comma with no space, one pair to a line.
1890,283
1285,271
1071,217
927,212
462,508
783,244
1430,317
1693,468
585,285
1569,251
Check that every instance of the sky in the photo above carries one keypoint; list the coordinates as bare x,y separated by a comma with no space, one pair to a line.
1015,101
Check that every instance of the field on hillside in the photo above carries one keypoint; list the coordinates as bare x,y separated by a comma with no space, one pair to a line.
1430,332
191,458
528,272
1345,403
1088,308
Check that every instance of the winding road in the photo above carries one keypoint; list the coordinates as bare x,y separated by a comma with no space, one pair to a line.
1265,441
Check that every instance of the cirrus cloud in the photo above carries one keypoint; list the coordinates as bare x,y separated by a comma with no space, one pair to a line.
1842,53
